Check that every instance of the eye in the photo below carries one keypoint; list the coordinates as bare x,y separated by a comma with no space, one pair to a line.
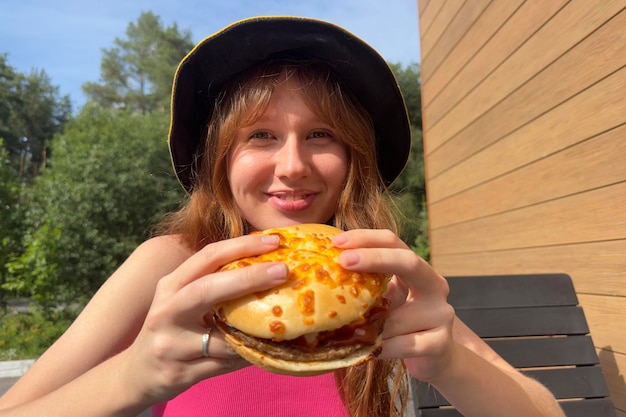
261,134
321,134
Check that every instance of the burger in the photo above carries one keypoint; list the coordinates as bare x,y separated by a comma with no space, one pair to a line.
322,318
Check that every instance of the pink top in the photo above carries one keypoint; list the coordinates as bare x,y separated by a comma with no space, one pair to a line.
253,392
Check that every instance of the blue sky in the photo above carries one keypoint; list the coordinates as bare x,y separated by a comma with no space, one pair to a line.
65,38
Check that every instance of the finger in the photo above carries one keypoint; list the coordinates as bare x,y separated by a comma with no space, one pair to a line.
422,344
416,317
368,238
404,263
199,297
190,346
214,255
215,346
206,367
396,293
188,373
374,250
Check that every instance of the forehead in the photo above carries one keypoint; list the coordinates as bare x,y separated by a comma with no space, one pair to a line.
256,95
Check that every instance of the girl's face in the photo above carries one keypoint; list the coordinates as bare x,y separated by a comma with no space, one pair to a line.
289,166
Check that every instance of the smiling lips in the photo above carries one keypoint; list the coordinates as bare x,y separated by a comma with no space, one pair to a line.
292,197
291,202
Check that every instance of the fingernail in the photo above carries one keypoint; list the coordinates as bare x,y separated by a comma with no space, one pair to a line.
270,239
339,240
277,271
349,258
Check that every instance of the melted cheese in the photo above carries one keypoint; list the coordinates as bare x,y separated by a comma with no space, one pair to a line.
319,295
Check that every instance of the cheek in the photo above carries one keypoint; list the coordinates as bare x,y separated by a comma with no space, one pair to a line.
336,168
243,169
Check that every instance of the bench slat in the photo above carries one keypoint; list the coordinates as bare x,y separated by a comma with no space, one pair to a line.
535,323
580,382
546,351
597,407
516,321
512,290
565,383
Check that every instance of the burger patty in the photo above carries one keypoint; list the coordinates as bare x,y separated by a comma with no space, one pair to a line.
283,350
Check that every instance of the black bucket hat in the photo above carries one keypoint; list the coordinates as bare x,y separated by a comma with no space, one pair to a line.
216,59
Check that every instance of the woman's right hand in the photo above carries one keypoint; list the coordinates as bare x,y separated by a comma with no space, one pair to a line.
166,357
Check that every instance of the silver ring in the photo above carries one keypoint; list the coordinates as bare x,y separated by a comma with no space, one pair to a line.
205,342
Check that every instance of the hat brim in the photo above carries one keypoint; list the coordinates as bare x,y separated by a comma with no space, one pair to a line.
216,59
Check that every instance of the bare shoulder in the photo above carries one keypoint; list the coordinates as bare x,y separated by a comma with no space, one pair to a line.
168,248
117,310
150,262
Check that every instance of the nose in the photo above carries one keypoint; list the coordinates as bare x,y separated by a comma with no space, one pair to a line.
292,161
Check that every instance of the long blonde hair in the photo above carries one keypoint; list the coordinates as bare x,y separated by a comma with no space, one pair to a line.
211,214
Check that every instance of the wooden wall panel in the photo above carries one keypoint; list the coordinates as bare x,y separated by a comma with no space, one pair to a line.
430,26
604,315
611,363
421,6
595,267
598,57
593,216
524,111
586,115
489,22
606,318
462,20
524,63
559,174
482,75
441,22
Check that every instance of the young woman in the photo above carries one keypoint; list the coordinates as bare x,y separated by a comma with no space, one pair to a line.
275,122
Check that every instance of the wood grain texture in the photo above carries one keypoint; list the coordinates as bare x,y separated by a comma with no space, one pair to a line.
560,174
574,22
611,363
486,25
489,71
595,267
525,151
427,21
462,21
441,22
595,110
421,5
597,215
606,317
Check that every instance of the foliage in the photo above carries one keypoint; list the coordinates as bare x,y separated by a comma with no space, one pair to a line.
106,176
31,113
410,187
11,214
137,72
409,81
109,180
27,335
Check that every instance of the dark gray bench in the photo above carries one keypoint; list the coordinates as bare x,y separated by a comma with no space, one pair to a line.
536,324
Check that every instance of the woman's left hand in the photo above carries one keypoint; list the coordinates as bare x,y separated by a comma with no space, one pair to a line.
419,326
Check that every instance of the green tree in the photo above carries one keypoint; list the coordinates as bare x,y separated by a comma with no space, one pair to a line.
31,112
8,98
410,187
109,181
409,81
11,214
137,73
